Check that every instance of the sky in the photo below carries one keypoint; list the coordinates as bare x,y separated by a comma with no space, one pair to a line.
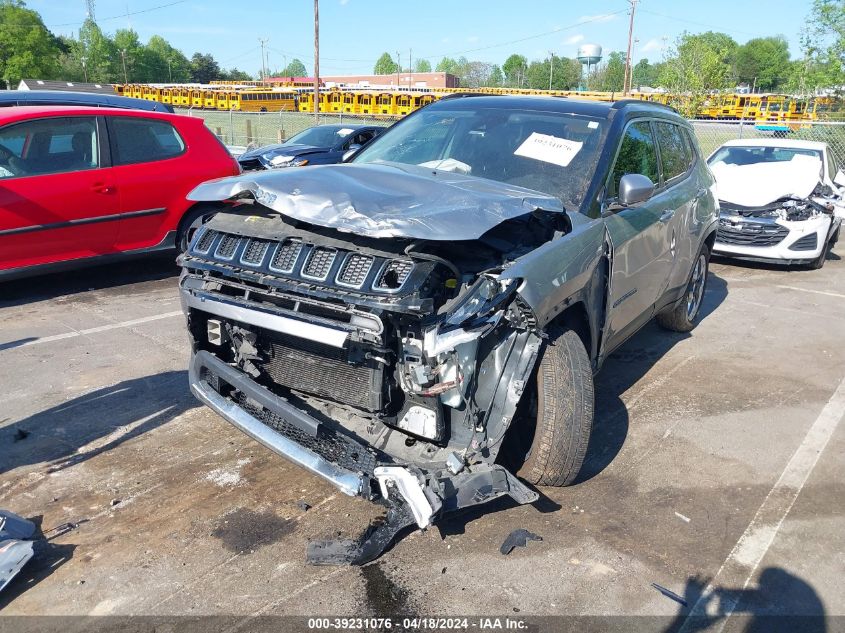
354,33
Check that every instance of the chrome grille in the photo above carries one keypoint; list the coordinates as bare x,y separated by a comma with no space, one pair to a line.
319,263
286,255
227,247
355,269
205,241
750,233
254,252
394,274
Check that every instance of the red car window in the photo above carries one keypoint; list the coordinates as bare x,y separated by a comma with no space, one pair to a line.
137,140
49,146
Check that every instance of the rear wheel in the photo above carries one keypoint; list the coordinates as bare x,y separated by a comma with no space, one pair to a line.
560,405
682,316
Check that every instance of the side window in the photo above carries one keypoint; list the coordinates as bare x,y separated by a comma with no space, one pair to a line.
49,146
674,153
136,140
637,155
832,169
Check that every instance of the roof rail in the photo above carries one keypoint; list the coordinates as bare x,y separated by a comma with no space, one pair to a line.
628,100
458,95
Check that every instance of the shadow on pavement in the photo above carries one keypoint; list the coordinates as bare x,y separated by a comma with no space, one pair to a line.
781,603
50,286
84,427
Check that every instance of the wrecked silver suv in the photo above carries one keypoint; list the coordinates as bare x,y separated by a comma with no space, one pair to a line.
420,326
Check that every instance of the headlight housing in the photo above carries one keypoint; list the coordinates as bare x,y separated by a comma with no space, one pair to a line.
484,298
278,160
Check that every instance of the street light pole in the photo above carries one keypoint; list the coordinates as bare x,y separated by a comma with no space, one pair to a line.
398,67
551,69
316,61
263,41
85,69
123,57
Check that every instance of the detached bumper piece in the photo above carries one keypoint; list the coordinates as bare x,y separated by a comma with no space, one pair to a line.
16,546
411,495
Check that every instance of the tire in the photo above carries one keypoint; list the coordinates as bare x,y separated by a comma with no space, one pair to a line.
190,222
819,261
681,317
564,413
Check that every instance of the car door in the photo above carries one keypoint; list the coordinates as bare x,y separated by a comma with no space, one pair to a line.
639,237
57,194
149,169
679,196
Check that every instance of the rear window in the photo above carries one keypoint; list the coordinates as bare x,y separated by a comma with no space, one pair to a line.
136,140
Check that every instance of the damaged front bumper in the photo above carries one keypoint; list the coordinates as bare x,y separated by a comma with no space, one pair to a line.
412,495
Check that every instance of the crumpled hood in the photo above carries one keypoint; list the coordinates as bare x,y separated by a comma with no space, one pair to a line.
383,200
759,184
282,149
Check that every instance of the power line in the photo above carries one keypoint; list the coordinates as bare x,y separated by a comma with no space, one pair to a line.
120,17
709,26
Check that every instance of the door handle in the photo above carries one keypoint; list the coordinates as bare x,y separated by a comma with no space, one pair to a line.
101,187
667,215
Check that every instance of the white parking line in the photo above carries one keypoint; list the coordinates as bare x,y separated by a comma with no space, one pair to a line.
101,328
815,292
748,553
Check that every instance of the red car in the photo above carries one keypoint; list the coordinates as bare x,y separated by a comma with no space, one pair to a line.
82,185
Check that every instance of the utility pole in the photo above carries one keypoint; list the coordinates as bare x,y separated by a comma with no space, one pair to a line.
85,69
398,67
123,57
551,68
626,85
263,41
410,67
316,61
169,70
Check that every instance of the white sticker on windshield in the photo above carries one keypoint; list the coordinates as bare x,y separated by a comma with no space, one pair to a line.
549,149
346,131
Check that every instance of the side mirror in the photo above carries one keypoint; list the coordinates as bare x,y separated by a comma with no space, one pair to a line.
839,179
634,188
350,152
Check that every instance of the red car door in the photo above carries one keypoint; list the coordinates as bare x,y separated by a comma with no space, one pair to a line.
153,177
57,200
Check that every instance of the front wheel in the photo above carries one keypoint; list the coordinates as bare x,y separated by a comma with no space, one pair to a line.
682,316
562,405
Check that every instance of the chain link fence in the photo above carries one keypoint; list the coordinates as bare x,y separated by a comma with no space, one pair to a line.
711,134
254,129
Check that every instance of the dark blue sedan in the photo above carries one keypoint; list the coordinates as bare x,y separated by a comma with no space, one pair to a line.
318,145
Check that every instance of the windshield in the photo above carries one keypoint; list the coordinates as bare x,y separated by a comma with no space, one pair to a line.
746,155
320,136
549,152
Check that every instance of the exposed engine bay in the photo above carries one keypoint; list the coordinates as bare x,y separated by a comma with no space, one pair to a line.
398,363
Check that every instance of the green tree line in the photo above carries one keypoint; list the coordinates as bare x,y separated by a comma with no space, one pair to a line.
29,50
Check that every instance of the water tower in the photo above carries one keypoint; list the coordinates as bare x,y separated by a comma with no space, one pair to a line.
589,55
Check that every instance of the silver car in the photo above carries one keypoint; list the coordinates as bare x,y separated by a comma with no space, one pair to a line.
421,325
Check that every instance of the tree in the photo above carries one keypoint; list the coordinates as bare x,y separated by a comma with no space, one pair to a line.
171,63
97,54
495,78
764,62
27,48
447,65
609,77
645,73
422,66
565,74
204,68
697,65
823,44
514,70
294,69
385,65
239,75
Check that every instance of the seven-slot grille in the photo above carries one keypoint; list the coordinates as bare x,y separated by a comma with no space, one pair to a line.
286,254
255,251
750,233
394,274
319,263
355,269
227,247
298,259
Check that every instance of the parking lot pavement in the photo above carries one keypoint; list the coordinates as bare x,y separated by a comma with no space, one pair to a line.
715,471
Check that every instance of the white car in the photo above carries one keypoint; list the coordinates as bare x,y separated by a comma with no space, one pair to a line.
780,200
